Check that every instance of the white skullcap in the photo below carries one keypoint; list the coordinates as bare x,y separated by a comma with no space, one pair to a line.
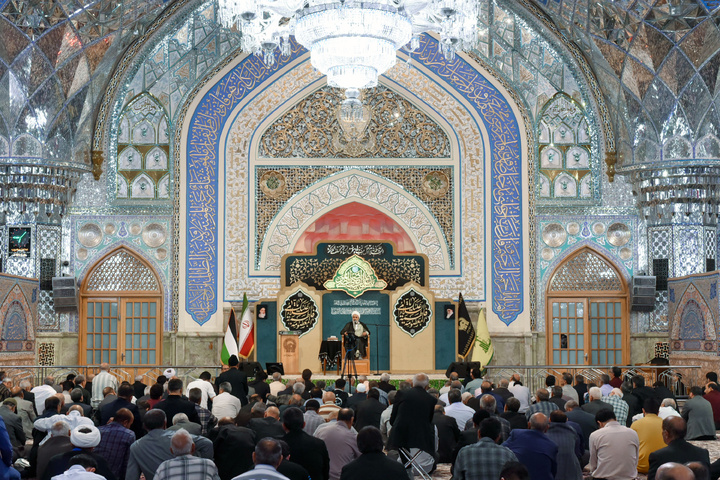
169,373
85,436
361,388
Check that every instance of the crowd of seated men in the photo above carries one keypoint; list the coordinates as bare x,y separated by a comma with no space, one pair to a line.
229,428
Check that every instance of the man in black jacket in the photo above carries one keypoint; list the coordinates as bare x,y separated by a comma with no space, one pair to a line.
124,400
372,463
308,451
412,416
174,403
448,434
678,449
368,412
236,378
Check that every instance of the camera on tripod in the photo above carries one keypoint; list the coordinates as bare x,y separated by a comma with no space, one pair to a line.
350,341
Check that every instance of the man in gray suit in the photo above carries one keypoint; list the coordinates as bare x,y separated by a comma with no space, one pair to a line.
147,453
13,423
698,414
25,409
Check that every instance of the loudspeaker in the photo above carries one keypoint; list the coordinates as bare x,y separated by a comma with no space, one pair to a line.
462,368
273,367
65,294
643,293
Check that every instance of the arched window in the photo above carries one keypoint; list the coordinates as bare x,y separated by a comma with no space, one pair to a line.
121,316
587,312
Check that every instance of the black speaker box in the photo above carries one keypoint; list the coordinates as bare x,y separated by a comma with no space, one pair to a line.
643,293
273,367
462,368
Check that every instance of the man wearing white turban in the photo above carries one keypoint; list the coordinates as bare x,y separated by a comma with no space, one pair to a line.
360,331
84,438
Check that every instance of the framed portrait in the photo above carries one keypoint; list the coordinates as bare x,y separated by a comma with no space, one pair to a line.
449,311
261,311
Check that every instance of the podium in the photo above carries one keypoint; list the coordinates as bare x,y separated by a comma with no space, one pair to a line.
290,351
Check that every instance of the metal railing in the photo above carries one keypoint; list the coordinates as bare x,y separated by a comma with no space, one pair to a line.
678,378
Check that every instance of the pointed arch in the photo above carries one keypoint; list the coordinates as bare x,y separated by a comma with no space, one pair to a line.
121,270
580,271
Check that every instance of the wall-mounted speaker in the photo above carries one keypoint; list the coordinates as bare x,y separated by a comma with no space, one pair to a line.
643,293
65,294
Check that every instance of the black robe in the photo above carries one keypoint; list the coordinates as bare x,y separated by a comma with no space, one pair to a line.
362,342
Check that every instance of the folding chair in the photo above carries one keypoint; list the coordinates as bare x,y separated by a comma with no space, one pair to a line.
410,461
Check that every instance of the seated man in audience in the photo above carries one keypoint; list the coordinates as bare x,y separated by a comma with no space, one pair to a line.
147,453
181,422
619,406
675,471
58,442
115,441
226,404
698,414
372,462
542,404
668,408
448,434
534,449
81,467
267,458
234,446
512,414
485,459
308,451
124,400
649,430
613,448
341,442
269,425
674,431
84,440
207,419
184,466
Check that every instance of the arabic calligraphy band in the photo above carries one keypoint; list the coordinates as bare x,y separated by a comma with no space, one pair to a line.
355,336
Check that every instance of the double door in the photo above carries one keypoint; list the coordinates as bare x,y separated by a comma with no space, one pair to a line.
587,331
121,330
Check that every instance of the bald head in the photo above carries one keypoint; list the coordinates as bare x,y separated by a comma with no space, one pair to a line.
674,471
328,397
538,422
673,428
182,443
273,412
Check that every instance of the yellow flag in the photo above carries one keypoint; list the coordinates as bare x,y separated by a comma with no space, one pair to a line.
483,350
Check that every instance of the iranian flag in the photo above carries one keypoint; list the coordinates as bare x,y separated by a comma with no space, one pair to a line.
230,345
247,335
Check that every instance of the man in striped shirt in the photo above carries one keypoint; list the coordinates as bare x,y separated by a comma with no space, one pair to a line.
102,380
185,466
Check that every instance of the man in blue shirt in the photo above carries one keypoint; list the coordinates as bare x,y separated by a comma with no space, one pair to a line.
534,449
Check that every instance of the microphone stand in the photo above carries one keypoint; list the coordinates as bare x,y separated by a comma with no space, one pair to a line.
377,353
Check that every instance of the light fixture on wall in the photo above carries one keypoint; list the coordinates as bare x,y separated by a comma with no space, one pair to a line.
352,42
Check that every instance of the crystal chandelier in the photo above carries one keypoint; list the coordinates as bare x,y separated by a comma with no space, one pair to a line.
352,42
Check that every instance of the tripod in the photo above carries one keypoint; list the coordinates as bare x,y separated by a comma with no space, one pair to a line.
350,342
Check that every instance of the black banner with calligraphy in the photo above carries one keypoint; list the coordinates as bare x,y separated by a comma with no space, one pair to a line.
466,331
316,269
412,312
299,312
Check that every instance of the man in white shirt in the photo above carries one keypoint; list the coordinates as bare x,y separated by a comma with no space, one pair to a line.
226,404
42,392
457,409
614,448
277,385
102,380
203,383
82,467
521,392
